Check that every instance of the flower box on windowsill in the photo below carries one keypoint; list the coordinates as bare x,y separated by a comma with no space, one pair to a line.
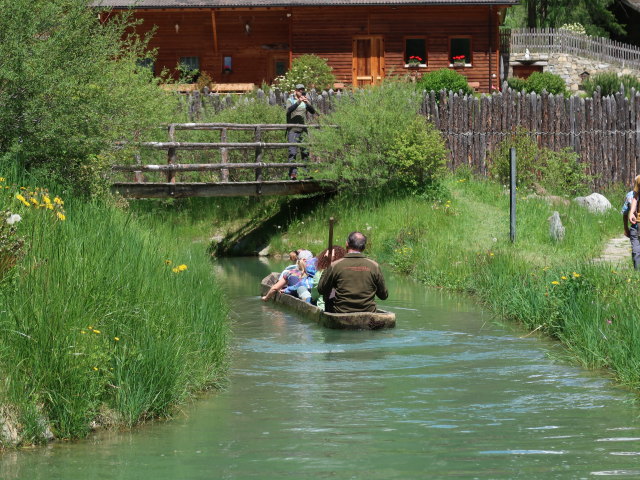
415,65
459,65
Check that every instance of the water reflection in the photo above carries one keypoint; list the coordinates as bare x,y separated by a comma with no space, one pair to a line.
448,393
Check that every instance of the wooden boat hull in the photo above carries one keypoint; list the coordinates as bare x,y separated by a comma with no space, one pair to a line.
353,321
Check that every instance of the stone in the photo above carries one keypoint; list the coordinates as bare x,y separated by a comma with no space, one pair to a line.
265,251
556,229
9,435
595,203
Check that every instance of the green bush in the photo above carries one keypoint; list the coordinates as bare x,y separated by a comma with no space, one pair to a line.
310,70
556,172
416,155
552,83
518,84
610,84
69,88
563,173
444,79
381,138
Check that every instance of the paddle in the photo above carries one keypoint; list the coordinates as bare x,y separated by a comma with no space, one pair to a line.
330,252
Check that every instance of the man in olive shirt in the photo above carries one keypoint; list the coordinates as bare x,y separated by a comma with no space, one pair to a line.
355,278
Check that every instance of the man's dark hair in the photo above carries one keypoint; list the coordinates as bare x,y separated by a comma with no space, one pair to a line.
357,241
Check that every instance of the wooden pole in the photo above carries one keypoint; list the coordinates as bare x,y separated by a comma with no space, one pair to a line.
224,155
259,153
214,27
512,196
331,220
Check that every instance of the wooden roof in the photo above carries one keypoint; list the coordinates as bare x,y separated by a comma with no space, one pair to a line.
284,3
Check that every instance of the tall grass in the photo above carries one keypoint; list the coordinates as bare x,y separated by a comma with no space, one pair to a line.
100,325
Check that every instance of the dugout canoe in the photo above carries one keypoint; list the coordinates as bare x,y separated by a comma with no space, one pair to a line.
353,321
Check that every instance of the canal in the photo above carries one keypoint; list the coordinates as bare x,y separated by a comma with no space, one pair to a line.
449,393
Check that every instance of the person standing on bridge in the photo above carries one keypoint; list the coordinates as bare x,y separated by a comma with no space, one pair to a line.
298,106
356,279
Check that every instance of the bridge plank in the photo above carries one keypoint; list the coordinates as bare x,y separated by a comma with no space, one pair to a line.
181,190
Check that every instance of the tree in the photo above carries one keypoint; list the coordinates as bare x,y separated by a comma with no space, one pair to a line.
69,87
595,15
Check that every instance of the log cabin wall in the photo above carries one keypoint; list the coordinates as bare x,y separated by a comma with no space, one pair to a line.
256,39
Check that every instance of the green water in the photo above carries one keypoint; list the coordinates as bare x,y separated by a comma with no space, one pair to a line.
447,394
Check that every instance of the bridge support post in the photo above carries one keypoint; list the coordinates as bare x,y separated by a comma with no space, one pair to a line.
259,154
224,156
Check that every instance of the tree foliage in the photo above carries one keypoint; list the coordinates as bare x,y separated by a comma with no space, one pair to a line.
309,70
381,139
595,15
69,87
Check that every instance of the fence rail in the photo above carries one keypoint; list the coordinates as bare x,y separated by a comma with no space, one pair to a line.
550,40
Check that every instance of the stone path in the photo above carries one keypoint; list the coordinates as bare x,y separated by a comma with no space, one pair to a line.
617,250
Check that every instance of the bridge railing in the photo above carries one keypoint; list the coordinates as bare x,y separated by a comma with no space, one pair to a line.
172,147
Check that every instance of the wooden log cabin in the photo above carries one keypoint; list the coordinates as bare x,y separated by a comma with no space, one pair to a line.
254,41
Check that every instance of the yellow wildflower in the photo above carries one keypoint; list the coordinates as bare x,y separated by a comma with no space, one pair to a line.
83,332
563,277
46,199
168,262
555,282
58,201
117,339
1,179
95,368
182,267
61,216
175,270
96,331
575,275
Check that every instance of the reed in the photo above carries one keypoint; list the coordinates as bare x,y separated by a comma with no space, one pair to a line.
106,321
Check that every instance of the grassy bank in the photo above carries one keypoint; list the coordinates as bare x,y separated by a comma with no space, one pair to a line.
461,242
104,320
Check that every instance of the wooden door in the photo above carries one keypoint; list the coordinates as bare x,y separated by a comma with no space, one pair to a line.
278,65
368,60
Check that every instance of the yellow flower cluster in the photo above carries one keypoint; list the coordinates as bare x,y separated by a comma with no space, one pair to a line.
40,198
564,277
177,269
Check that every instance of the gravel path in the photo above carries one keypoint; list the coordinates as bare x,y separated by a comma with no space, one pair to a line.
617,250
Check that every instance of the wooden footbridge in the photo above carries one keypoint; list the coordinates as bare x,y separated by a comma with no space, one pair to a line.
225,186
